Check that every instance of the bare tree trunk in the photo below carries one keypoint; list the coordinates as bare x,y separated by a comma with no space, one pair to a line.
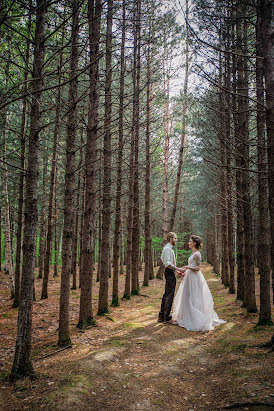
148,274
0,239
263,223
117,230
56,254
129,224
76,226
22,176
250,299
83,195
121,270
7,210
86,315
22,365
184,124
63,332
160,271
42,231
99,221
267,30
239,150
53,171
106,213
136,128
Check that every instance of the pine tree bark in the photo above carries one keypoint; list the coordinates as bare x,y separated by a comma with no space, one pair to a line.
89,227
148,274
53,172
263,220
42,231
184,123
239,153
56,254
17,275
7,211
267,30
22,365
250,299
106,203
117,228
136,130
63,332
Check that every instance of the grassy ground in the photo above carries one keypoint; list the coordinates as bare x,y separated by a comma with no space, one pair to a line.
129,361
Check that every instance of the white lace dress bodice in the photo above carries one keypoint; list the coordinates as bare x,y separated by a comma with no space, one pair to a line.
193,306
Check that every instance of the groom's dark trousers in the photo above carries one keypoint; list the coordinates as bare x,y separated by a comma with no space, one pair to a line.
168,296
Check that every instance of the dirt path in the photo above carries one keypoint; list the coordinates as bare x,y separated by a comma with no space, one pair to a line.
132,362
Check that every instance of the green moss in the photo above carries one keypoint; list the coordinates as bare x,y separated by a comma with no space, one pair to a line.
6,315
4,376
103,311
115,302
84,324
64,342
241,347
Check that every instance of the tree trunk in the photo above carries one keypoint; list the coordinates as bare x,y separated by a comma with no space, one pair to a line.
267,30
56,254
89,226
148,274
184,125
239,152
53,172
243,107
22,177
0,239
117,230
263,259
63,332
42,231
22,365
136,130
7,210
106,213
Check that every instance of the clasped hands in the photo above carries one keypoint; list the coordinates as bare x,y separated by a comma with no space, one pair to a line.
181,271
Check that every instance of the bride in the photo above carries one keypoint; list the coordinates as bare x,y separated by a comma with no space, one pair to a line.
193,304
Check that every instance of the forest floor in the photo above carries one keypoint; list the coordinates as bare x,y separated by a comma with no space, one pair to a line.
129,361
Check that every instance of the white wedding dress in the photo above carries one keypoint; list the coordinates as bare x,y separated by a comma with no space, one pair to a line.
193,306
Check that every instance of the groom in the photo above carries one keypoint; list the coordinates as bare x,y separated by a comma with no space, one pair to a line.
169,261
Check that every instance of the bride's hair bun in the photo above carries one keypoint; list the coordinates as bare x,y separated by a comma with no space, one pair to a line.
197,241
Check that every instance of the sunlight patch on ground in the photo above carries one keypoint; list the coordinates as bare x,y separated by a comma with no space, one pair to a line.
227,326
105,355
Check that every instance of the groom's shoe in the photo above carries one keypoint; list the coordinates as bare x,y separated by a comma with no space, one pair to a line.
172,322
160,320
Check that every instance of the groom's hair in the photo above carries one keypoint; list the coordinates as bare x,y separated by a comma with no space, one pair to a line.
170,235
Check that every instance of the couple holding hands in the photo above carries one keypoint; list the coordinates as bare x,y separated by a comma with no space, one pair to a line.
193,306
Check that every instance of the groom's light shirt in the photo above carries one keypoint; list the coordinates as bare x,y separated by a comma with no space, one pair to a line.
168,256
